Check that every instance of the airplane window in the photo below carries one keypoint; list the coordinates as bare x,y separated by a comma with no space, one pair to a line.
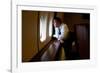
43,25
50,26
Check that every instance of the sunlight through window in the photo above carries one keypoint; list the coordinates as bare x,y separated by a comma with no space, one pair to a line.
43,25
50,26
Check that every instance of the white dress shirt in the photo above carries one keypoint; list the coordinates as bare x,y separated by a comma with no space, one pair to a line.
64,32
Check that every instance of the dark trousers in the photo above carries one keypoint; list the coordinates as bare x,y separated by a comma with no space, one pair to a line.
67,48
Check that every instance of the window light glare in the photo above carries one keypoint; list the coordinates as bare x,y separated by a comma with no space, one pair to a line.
50,27
43,21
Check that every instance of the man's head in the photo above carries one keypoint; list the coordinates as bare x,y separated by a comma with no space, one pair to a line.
57,21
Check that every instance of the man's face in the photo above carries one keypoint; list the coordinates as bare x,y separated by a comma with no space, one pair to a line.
56,23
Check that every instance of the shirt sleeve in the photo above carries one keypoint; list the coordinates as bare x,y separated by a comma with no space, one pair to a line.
64,32
56,33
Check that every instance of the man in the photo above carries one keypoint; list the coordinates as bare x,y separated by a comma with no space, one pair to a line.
62,35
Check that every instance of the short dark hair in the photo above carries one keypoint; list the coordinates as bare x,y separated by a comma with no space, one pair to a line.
58,19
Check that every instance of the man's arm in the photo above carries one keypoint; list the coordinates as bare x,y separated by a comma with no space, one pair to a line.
56,33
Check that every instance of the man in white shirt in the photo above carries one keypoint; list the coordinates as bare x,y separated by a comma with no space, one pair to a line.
61,34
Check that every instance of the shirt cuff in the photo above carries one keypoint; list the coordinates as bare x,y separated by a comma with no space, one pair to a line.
54,35
61,40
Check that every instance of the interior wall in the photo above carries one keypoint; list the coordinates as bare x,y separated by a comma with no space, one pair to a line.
60,15
71,19
74,18
29,34
82,33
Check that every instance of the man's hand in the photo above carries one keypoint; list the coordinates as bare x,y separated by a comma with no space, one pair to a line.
61,41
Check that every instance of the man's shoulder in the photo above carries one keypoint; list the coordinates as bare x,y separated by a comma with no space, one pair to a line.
64,25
